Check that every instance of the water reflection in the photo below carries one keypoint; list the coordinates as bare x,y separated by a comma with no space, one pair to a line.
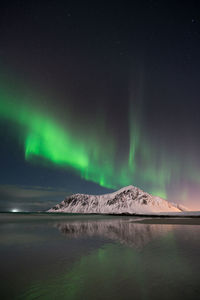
101,258
154,267
125,232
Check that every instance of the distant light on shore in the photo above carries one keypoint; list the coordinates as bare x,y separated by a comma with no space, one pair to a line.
14,210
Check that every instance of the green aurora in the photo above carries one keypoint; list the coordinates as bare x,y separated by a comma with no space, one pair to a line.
89,150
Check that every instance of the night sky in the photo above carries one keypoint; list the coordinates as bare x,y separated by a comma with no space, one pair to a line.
95,96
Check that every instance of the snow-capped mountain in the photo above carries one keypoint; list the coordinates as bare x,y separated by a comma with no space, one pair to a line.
128,200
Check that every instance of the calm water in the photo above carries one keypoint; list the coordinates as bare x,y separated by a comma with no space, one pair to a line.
97,257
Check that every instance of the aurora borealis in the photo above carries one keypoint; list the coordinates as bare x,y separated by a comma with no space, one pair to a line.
92,156
94,100
45,137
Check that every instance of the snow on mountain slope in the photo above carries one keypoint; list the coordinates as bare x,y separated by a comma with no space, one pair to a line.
130,200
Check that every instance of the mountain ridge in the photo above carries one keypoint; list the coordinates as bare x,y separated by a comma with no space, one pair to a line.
127,200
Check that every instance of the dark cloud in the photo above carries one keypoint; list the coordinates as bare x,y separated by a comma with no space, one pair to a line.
29,197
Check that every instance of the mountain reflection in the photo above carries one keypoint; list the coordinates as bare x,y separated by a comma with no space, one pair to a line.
126,232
